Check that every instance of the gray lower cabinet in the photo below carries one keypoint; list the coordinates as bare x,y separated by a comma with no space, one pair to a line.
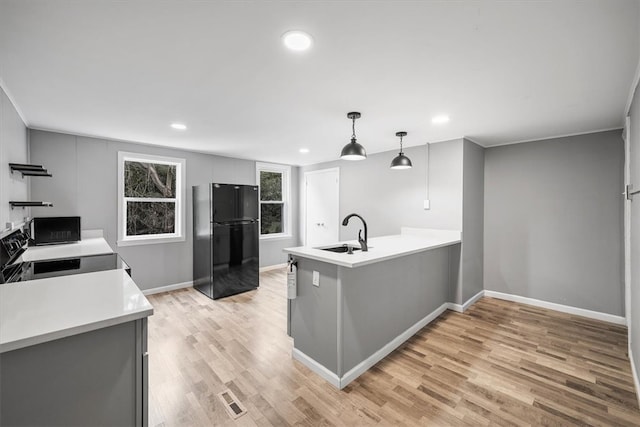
96,378
355,314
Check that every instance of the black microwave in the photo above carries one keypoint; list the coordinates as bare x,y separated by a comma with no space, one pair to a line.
56,230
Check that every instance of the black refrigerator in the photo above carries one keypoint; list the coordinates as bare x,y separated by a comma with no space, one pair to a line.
225,239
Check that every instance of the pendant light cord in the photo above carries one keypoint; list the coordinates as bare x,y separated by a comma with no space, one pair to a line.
400,144
353,128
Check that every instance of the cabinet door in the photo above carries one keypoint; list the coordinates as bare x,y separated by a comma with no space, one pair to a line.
91,378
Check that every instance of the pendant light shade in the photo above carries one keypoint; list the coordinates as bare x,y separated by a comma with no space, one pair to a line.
353,150
401,161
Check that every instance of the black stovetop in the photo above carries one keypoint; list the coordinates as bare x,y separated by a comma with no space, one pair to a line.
31,270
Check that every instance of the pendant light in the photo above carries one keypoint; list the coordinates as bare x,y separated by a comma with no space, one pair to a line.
353,150
401,161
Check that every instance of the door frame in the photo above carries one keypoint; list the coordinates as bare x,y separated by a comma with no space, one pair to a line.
626,136
304,199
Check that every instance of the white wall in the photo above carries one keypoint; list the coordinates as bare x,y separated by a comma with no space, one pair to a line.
14,148
85,181
553,221
389,199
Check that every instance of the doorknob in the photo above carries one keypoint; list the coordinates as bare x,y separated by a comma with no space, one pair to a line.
628,193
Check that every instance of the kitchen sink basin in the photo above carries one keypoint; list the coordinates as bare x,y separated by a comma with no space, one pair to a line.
341,248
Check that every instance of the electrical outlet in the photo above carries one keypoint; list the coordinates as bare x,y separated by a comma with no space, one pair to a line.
427,204
316,278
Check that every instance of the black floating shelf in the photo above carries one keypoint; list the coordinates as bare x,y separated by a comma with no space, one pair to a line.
29,170
30,204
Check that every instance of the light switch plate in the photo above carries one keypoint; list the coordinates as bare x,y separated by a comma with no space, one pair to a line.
427,204
316,278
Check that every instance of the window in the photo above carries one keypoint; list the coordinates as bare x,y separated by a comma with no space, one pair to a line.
275,206
150,199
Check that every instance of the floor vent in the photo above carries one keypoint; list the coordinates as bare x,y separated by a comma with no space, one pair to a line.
231,402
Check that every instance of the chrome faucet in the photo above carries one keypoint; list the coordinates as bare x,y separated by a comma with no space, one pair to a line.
363,242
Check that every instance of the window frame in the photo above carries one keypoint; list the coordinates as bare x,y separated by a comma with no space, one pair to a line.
179,234
285,171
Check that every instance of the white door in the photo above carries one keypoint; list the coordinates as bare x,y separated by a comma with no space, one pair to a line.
322,214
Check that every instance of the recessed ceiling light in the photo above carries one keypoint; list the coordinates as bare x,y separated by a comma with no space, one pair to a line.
297,40
304,150
438,120
178,126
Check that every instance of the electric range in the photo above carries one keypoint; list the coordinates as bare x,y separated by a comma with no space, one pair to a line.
13,270
32,270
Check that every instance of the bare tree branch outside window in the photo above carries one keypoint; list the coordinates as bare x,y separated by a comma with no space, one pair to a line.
157,183
271,203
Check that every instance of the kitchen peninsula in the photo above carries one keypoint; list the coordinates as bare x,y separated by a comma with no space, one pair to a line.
364,305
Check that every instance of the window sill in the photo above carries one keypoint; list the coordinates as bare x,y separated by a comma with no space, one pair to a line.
150,241
280,236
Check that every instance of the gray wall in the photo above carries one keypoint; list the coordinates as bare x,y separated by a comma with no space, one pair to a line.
553,221
389,199
472,220
14,148
634,164
85,182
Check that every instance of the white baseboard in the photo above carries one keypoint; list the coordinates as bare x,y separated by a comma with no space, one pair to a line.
168,288
461,308
316,367
611,318
272,267
363,366
634,374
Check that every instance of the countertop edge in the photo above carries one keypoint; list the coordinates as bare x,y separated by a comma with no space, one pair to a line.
74,330
409,252
341,263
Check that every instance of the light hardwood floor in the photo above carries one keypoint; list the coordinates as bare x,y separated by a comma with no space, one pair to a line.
499,363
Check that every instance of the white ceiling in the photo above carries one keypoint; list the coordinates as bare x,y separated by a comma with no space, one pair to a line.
503,71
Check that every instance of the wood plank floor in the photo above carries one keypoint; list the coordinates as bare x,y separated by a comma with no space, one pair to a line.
499,363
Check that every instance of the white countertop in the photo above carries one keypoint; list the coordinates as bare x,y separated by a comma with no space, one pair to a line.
38,311
85,247
410,241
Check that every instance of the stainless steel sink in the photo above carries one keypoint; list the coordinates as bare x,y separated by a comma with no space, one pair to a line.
341,249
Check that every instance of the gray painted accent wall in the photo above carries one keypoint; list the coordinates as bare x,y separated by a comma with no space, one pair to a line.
553,221
85,183
14,148
634,165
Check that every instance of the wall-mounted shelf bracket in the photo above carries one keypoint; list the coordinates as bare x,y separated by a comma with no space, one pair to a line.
29,170
15,204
